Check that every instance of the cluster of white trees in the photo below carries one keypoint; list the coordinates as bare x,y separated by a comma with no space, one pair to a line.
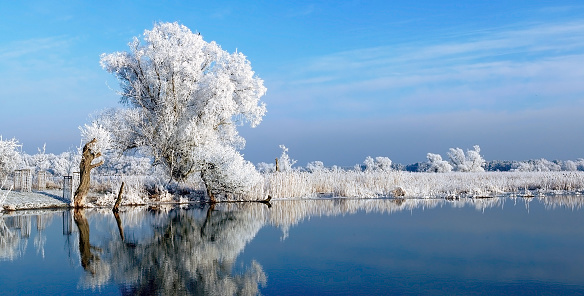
544,165
472,161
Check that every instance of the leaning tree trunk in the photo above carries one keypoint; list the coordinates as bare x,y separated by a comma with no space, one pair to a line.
85,168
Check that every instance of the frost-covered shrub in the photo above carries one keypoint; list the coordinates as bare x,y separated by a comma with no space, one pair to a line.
437,165
65,164
536,165
263,167
10,158
285,163
225,171
471,162
569,165
315,166
380,163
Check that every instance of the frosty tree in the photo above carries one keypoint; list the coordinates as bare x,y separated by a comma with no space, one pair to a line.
472,162
437,165
184,98
10,158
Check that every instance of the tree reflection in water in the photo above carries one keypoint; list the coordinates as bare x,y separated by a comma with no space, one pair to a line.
193,250
186,253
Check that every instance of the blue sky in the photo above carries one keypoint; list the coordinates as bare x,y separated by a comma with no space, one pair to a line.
345,79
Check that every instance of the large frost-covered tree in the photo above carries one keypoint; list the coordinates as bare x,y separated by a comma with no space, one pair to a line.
184,98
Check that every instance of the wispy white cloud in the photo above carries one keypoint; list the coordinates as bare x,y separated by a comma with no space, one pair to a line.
534,66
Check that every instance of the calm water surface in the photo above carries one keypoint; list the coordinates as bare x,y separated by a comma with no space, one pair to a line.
311,247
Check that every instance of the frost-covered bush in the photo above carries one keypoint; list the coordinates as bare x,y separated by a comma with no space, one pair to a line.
225,171
437,165
10,157
380,163
264,167
41,161
315,166
471,162
569,165
66,163
285,163
537,165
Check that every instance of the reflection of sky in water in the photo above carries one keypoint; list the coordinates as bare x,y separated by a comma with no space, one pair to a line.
503,246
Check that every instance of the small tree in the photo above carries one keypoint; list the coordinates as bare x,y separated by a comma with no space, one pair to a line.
284,163
471,162
10,158
437,165
380,164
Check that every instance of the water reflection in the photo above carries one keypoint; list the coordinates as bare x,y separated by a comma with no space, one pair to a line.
193,249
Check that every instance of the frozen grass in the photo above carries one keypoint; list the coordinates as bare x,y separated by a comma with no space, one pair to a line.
415,185
142,190
355,184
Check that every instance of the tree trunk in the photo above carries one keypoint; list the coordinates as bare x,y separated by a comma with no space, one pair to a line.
85,168
277,165
208,187
119,200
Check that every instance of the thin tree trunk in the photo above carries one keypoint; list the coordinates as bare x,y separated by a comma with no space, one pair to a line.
85,168
277,165
119,200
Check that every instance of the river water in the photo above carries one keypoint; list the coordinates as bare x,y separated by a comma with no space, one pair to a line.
511,246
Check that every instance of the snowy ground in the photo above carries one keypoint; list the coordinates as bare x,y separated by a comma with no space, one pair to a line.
33,200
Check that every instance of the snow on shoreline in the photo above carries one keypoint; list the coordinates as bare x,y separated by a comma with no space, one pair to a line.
33,200
342,184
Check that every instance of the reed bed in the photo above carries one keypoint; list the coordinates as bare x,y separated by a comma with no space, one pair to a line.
356,184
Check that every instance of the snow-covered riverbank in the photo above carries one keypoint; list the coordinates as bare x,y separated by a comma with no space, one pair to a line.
342,184
33,200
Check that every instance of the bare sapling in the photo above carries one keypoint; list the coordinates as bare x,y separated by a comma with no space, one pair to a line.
85,167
